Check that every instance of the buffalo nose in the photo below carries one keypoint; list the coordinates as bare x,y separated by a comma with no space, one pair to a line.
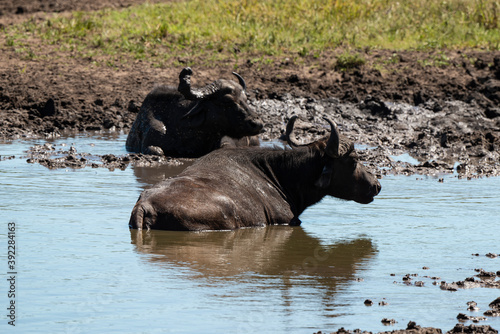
374,189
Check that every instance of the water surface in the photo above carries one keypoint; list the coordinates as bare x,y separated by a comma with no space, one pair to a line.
80,269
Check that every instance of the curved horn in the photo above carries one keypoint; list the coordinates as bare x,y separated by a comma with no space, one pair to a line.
289,132
332,147
195,94
241,81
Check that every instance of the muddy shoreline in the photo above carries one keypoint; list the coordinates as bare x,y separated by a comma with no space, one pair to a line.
441,107
443,132
452,138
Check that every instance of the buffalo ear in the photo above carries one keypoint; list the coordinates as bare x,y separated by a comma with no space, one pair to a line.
194,110
196,115
324,180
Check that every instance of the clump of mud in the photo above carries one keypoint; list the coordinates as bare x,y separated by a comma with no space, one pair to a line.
54,157
413,328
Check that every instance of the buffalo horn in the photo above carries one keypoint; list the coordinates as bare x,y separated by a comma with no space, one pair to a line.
332,147
290,138
195,94
241,81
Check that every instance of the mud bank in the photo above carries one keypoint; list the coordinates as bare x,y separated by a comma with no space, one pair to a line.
437,138
442,137
446,118
441,107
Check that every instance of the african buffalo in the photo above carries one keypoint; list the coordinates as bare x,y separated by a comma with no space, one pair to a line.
242,187
189,122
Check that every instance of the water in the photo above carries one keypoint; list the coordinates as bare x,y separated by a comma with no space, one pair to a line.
80,269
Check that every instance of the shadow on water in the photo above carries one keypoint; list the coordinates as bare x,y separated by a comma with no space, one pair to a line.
287,253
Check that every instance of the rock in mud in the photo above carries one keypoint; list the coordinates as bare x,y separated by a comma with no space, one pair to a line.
492,313
49,109
375,105
472,306
484,273
495,304
472,329
10,157
470,283
465,317
368,302
387,321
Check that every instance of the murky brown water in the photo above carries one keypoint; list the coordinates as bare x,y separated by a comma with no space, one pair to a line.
80,269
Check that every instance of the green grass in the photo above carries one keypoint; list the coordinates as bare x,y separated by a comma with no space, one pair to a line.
349,60
220,30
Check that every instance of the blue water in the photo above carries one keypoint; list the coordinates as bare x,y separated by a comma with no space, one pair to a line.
80,269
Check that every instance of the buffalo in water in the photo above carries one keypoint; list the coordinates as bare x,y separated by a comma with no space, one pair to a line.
243,187
189,122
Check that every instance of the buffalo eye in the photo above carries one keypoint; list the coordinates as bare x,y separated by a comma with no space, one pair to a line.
353,157
351,163
225,100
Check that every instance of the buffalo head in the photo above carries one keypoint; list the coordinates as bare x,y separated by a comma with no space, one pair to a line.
343,176
222,105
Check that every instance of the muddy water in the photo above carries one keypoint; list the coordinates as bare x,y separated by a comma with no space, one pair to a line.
80,269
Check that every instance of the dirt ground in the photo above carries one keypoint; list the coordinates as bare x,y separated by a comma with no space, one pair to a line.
57,93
